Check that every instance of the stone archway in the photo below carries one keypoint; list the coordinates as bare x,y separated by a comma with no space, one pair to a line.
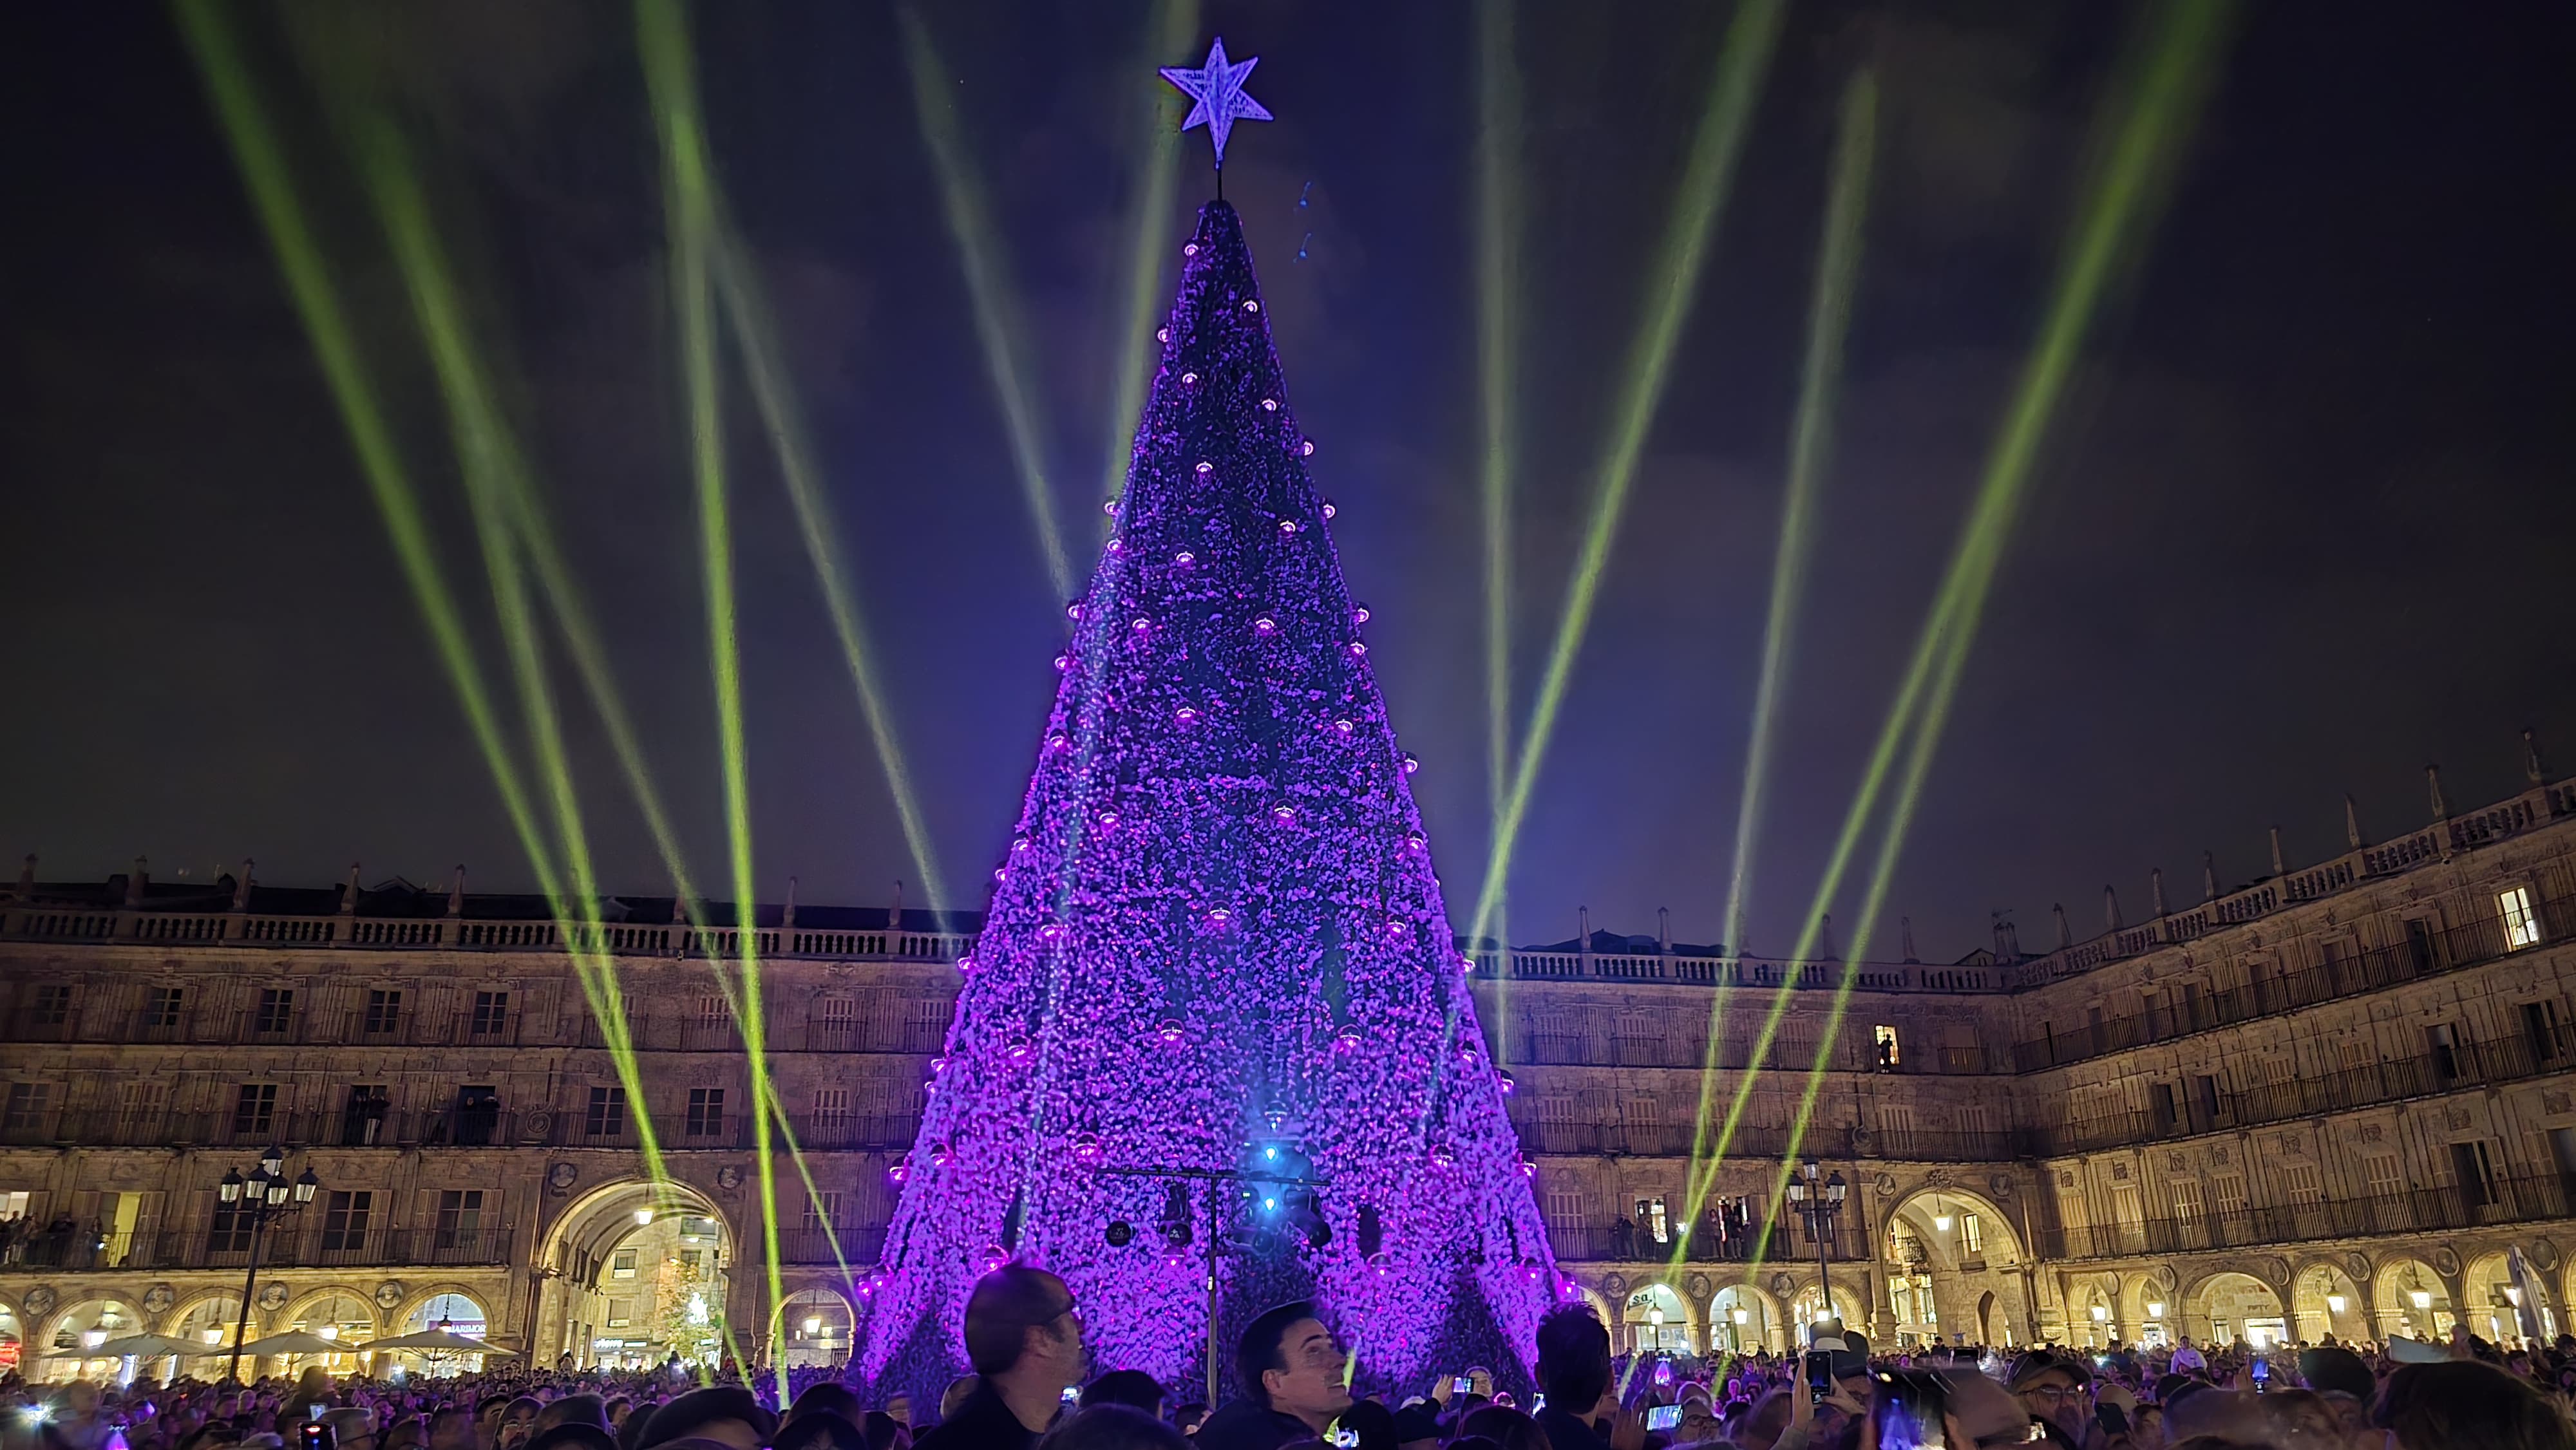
2230,1305
2413,1299
1743,1318
622,1265
2324,1301
2493,1300
1654,1316
1807,1307
1946,1251
816,1326
336,1312
81,1326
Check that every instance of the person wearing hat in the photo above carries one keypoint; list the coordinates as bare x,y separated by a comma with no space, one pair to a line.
718,1415
2051,1390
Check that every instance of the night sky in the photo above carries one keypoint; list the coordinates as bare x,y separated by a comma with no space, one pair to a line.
2304,525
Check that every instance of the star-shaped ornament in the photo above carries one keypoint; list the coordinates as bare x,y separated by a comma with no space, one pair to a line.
1218,88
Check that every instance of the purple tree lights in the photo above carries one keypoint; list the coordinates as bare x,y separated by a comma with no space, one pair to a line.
1217,942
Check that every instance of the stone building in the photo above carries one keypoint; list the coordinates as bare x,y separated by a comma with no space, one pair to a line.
2328,1101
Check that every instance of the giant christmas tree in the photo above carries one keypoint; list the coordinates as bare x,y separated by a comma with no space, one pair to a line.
1216,947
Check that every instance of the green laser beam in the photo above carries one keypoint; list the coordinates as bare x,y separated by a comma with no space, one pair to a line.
764,364
1498,217
687,191
1170,27
1743,62
2150,121
508,520
997,313
1811,435
256,153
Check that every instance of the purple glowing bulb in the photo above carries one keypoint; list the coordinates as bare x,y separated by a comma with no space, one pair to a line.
1306,449
1360,615
1058,743
1108,818
1503,1080
898,1172
1018,1053
1140,624
1189,380
1073,610
1219,916
1358,648
1287,527
1190,250
1086,1148
1001,873
965,964
1265,626
1413,841
1205,468
1185,714
1348,1038
1342,728
939,1155
1063,663
1117,546
1019,843
1410,764
1329,510
1109,507
1162,334
1270,405
1052,931
1284,815
1249,305
938,1065
1169,1031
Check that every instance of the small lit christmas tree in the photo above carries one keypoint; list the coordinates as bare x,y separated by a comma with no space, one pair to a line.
1216,945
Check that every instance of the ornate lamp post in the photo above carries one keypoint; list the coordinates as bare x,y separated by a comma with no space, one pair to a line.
1819,1204
266,1197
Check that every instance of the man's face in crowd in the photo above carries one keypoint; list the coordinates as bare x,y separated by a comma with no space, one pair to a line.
900,1408
1057,1347
1311,1387
2056,1397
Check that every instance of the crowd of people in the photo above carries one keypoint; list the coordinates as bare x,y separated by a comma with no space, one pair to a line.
1034,1387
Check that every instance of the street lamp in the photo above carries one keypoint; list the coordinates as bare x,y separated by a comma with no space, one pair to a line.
266,1197
1819,1204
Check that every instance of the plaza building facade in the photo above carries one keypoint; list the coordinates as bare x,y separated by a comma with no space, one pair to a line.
2332,1100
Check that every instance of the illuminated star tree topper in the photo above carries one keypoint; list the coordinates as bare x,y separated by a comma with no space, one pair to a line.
1218,88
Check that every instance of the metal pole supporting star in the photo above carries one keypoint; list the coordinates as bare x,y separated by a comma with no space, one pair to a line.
1217,86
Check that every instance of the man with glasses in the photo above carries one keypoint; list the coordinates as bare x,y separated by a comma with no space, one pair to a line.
1024,1339
2052,1389
1295,1378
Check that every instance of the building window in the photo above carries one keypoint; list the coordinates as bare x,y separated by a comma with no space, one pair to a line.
460,1217
822,1210
621,1265
2187,1202
362,1117
255,1110
161,1007
690,1262
2521,923
491,1013
52,1006
926,1027
2475,1167
276,1011
384,1013
228,1232
2227,1192
344,1220
1564,1208
621,1313
606,1117
1885,1037
13,1204
706,1113
2301,1183
1650,1218
2384,1174
711,1012
28,1102
1972,1235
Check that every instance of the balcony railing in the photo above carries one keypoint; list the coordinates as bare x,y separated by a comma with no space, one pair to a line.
1788,1243
811,1245
2463,1065
308,1244
2429,955
1577,1049
2499,1201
